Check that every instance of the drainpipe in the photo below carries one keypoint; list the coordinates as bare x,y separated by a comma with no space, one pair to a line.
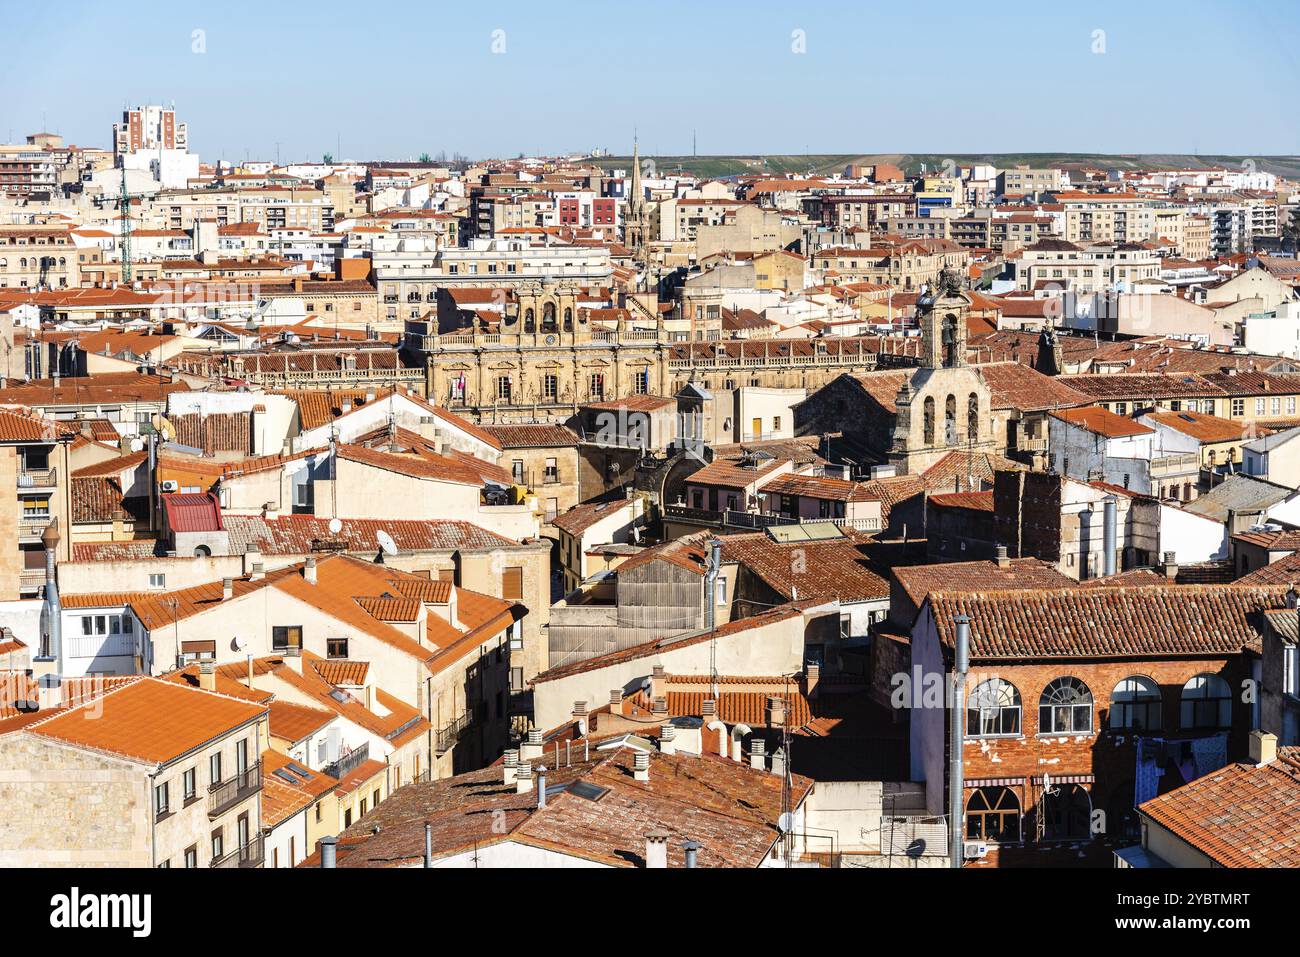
327,852
957,737
1108,535
428,844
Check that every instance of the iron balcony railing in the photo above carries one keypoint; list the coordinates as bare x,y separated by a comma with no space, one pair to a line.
251,854
449,735
226,794
349,762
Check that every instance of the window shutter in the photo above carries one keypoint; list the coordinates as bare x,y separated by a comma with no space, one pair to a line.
512,583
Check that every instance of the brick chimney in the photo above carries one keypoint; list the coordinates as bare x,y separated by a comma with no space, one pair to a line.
657,682
812,676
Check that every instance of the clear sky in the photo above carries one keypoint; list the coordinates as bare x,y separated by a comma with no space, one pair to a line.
395,78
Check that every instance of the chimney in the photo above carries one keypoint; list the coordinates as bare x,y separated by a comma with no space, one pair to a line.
1171,566
428,844
659,708
656,849
691,849
1263,747
641,766
758,754
667,739
511,767
580,716
1000,557
657,682
327,852
616,701
708,709
778,762
227,589
252,558
524,779
812,676
257,573
775,711
208,674
532,746
541,786
1109,535
309,571
293,658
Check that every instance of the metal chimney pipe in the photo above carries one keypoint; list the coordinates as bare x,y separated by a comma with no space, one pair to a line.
428,844
327,852
541,786
1108,535
957,738
710,583
692,849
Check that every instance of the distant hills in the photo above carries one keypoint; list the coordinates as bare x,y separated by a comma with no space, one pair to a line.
827,163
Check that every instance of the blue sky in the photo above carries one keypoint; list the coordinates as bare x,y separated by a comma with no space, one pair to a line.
393,79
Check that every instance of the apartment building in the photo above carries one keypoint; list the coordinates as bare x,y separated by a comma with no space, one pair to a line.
105,783
1085,268
34,467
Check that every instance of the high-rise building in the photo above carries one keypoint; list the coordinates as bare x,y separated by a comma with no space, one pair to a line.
150,139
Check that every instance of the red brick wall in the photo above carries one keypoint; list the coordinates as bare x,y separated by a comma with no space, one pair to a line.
1109,756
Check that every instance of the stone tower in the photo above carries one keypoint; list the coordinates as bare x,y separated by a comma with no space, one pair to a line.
943,323
635,224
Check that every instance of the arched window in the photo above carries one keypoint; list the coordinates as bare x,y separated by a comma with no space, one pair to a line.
949,340
993,708
202,551
1135,704
993,814
929,420
568,320
1066,810
1206,703
548,315
528,320
973,416
950,420
1065,708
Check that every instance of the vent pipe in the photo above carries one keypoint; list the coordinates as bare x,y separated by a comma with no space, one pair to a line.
1108,535
691,849
327,852
956,742
428,844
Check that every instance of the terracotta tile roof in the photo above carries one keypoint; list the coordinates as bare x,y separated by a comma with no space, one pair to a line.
214,431
730,808
100,389
532,436
288,787
127,721
16,686
810,570
1198,425
222,684
917,581
816,486
1282,540
293,722
1149,622
688,552
1284,571
23,427
975,501
361,774
1016,386
341,672
97,500
387,608
1102,422
581,517
1143,387
1239,816
113,466
192,511
633,403
440,468
730,473
955,470
117,551
295,534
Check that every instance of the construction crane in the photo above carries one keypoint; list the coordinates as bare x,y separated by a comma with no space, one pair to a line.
124,213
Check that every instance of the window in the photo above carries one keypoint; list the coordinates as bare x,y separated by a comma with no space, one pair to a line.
284,637
160,801
1206,703
550,388
214,768
218,844
189,785
319,812
551,471
503,388
1291,670
1135,704
336,647
720,594
192,856
347,818
1238,406
517,471
1065,708
375,798
993,708
512,583
641,382
993,814
241,755
157,580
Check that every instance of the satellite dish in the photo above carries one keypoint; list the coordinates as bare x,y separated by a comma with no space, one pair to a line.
336,526
785,822
137,445
386,542
239,644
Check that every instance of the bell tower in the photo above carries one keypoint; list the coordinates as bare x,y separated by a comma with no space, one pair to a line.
943,313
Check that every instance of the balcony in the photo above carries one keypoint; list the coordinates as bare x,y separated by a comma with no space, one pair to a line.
224,795
31,579
1184,463
1026,444
247,855
348,762
32,526
37,478
449,735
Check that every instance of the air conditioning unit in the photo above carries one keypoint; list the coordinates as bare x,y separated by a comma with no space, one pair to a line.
170,485
974,850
